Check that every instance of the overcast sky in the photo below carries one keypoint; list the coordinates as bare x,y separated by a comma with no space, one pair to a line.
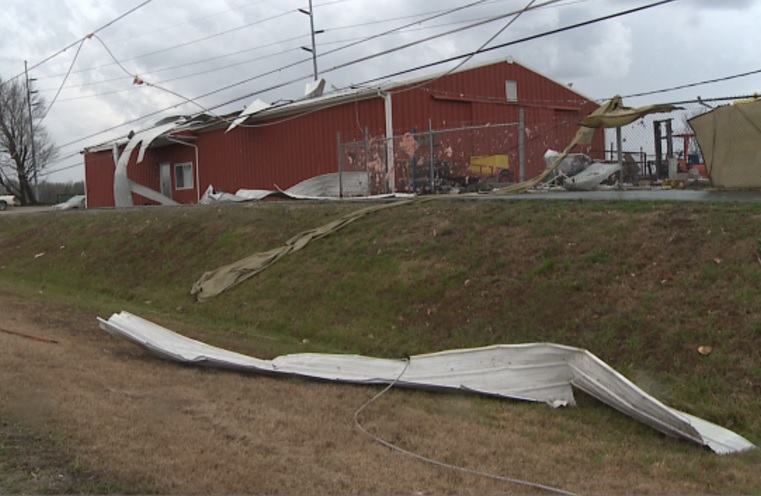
193,47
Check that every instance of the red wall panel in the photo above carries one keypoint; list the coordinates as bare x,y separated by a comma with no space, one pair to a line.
100,168
286,150
99,179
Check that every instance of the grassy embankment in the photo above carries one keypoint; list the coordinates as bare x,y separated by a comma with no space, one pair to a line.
641,285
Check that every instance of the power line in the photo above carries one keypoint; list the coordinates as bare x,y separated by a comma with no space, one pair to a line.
164,29
437,463
522,40
66,157
501,30
195,74
45,173
139,81
533,37
163,69
360,39
59,52
466,59
191,42
79,48
376,22
151,114
692,85
355,61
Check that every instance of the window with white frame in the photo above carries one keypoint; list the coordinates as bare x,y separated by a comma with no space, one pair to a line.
183,176
511,90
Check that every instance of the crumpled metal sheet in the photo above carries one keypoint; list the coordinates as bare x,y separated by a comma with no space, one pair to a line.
123,187
591,177
541,372
333,186
255,107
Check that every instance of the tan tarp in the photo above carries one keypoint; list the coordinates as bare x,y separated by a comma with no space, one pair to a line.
611,114
211,284
615,114
730,140
219,280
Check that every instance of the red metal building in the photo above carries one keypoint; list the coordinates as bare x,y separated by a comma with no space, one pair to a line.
284,145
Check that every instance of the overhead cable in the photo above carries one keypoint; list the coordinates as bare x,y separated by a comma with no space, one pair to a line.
347,64
139,81
692,85
73,61
466,59
521,40
191,42
59,52
361,59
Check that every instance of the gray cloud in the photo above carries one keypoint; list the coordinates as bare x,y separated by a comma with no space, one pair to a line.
685,41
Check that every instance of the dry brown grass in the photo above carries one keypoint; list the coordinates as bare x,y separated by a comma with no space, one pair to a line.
175,429
638,284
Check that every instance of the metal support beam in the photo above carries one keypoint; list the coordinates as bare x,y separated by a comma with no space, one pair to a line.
430,143
522,145
619,145
340,165
390,162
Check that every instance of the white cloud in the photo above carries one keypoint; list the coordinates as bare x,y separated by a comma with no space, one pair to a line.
681,42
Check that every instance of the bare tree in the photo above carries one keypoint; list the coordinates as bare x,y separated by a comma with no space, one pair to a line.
22,161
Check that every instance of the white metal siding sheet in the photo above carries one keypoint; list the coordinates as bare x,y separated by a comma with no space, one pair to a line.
535,372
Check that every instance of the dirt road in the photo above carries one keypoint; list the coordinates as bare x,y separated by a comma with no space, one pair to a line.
175,429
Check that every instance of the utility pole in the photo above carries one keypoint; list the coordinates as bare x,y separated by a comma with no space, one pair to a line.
312,50
31,132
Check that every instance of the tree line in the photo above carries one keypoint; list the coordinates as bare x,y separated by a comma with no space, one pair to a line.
26,148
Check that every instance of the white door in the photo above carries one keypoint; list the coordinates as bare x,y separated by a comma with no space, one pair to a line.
166,180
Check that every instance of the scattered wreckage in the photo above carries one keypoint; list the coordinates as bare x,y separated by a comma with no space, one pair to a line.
332,186
539,372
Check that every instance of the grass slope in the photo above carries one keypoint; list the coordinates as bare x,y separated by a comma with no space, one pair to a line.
641,285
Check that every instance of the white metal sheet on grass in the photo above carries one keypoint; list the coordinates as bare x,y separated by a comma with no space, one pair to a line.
540,372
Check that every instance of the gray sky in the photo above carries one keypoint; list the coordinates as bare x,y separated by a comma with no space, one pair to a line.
678,43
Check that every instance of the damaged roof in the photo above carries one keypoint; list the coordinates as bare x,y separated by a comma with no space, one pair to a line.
259,110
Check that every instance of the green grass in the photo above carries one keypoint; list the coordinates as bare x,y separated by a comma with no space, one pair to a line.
636,283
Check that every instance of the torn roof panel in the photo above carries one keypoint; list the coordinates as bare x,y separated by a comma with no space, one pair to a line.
255,107
540,372
337,97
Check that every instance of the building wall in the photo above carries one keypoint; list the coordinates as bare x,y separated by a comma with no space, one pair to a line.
479,97
284,151
99,179
100,169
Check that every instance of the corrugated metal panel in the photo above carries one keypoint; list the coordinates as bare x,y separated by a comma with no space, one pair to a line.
543,372
289,149
285,153
99,179
99,174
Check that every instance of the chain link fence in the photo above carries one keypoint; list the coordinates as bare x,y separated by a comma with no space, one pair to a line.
657,148
432,161
468,158
664,147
